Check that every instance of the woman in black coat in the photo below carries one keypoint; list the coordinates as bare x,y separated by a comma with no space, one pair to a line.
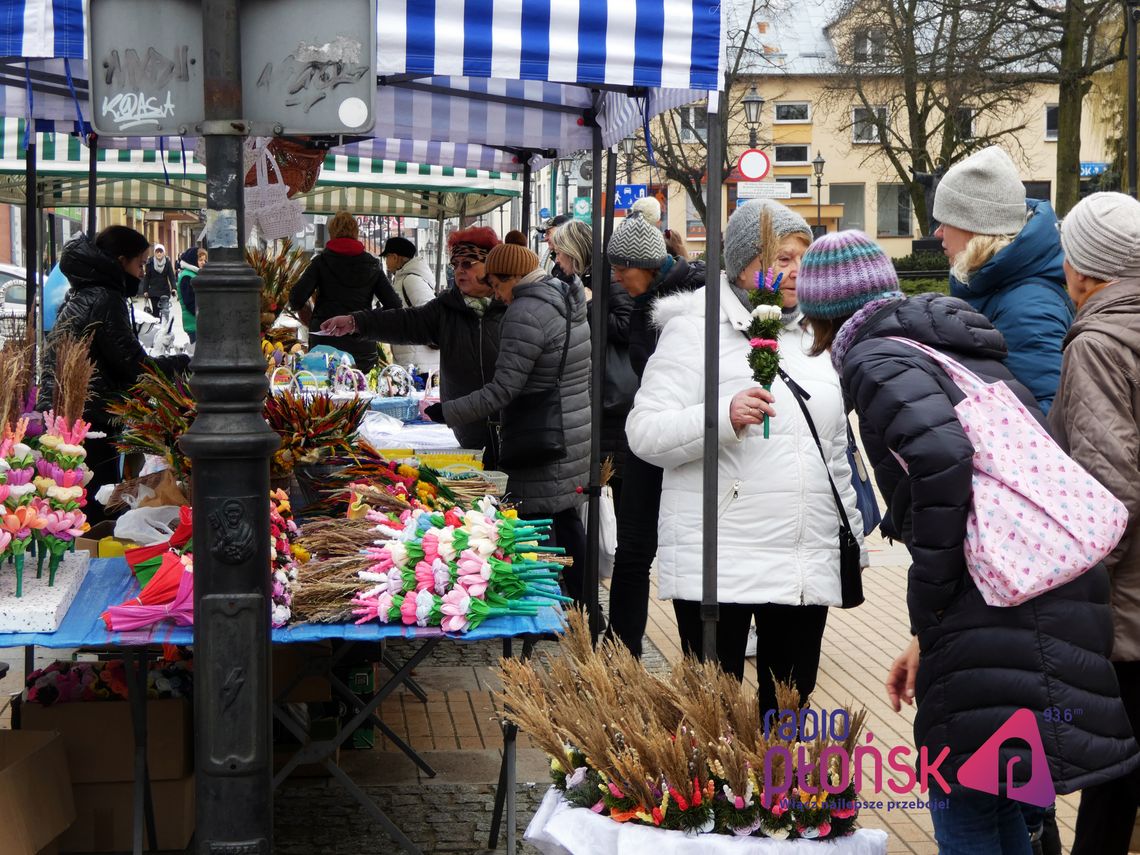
970,666
342,279
103,273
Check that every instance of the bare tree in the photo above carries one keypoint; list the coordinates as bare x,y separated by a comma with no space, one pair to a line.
931,81
679,136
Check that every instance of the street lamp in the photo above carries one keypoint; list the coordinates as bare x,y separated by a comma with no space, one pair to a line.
817,165
564,167
753,104
627,146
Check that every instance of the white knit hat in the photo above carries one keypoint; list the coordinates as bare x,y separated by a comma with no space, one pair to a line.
983,194
1101,236
648,207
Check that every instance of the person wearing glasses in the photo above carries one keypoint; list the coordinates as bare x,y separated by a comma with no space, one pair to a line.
463,323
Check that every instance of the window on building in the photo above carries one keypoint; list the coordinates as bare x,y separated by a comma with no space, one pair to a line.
964,123
894,211
1052,121
694,125
791,154
1038,190
694,225
853,199
799,186
864,123
793,111
869,46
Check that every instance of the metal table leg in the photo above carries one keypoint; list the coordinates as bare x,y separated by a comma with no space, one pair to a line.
143,804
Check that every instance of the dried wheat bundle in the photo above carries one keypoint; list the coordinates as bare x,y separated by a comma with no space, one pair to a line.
73,372
15,375
769,242
325,589
335,538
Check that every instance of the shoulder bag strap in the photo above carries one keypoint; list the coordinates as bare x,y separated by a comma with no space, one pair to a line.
565,344
799,393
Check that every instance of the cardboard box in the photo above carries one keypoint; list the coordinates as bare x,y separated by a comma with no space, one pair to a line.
105,816
101,543
100,742
288,660
35,792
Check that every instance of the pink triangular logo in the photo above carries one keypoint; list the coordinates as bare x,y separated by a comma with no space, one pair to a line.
981,771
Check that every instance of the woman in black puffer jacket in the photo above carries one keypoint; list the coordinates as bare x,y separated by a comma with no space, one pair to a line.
103,274
971,666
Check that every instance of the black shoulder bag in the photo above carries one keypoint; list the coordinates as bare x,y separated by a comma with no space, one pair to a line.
850,573
531,432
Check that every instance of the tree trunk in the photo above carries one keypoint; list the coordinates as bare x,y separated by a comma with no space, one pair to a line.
1069,108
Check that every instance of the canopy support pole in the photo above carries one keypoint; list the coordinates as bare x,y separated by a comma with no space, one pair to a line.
600,308
230,444
526,200
92,190
710,611
439,258
31,227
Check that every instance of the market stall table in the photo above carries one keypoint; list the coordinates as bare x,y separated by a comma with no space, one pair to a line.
110,582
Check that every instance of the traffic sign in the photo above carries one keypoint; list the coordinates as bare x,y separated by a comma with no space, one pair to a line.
763,190
626,194
753,165
302,73
582,208
544,213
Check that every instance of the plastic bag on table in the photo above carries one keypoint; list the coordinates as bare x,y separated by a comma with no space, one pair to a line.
146,526
607,531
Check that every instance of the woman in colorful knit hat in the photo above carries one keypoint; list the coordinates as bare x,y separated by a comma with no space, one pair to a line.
534,357
778,535
969,665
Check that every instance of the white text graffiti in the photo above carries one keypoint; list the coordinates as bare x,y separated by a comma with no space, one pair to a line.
130,109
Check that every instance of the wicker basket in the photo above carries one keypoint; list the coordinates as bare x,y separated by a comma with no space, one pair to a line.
404,409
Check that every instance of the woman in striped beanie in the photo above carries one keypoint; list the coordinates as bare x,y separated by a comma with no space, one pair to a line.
969,665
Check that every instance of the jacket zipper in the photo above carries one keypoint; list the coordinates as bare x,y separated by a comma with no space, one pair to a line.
803,499
730,496
482,375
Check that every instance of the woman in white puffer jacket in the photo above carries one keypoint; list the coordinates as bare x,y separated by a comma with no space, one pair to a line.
778,537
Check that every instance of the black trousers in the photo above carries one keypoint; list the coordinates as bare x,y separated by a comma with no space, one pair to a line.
636,549
103,460
568,533
788,646
1108,811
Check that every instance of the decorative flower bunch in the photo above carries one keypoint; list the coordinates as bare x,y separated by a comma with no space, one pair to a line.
686,752
284,556
311,427
21,511
764,331
279,269
456,569
63,476
65,682
389,484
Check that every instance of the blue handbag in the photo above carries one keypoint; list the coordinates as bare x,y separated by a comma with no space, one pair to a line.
864,490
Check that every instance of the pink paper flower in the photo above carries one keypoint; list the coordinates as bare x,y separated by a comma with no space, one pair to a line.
64,525
764,343
456,604
408,610
425,576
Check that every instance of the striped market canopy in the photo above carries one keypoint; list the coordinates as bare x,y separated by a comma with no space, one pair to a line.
165,179
520,76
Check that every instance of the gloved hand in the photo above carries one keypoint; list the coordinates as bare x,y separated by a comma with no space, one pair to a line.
435,413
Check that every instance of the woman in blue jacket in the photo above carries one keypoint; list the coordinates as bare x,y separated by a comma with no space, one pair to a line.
1005,256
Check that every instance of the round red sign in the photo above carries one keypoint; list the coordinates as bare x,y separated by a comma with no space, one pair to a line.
753,165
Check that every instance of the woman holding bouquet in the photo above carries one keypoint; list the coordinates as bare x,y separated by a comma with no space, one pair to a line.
778,554
970,666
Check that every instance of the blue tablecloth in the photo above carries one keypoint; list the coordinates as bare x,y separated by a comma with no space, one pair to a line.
109,582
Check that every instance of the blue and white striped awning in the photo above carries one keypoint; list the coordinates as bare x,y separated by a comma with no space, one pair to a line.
549,64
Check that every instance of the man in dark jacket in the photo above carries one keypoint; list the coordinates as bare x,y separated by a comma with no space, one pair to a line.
970,666
158,280
642,265
463,323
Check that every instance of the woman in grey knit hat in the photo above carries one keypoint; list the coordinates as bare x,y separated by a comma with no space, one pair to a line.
643,266
1005,258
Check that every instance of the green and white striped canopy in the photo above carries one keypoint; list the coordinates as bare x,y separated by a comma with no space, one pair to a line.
175,180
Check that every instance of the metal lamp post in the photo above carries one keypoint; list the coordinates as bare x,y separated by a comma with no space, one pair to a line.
627,146
564,167
1132,19
753,105
818,165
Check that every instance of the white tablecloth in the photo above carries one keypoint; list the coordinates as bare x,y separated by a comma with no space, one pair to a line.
560,829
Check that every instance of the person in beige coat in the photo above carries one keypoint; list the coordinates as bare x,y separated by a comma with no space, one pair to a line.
1096,418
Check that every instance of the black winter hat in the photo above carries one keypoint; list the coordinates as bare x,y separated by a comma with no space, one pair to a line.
400,246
